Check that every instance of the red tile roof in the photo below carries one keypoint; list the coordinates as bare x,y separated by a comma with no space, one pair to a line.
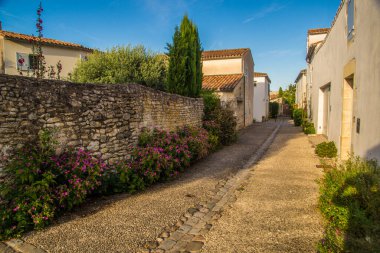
225,53
318,31
221,82
24,37
261,74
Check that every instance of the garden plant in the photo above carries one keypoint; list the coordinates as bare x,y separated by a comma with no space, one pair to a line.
350,203
326,149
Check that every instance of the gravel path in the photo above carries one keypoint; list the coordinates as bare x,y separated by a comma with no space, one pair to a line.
276,209
125,223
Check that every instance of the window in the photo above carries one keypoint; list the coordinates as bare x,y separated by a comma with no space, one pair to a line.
22,61
26,61
83,57
350,18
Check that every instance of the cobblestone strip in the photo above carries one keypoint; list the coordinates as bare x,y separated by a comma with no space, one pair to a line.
188,234
18,245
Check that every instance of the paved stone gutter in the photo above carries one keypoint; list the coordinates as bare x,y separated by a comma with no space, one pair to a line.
18,245
188,234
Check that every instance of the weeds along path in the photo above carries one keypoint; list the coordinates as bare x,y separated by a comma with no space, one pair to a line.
132,223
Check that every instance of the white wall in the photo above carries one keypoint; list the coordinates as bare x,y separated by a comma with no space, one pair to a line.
330,65
261,99
301,91
222,66
313,38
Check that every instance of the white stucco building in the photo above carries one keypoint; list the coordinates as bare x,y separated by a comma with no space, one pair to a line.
261,96
345,80
301,89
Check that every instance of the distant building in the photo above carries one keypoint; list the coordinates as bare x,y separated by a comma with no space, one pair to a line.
229,73
344,78
261,96
274,98
16,53
301,89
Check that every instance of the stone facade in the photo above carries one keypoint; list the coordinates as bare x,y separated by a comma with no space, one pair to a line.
106,119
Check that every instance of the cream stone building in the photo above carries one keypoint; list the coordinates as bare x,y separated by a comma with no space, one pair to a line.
301,89
261,96
16,54
229,73
345,79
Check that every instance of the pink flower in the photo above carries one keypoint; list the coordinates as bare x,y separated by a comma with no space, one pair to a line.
16,208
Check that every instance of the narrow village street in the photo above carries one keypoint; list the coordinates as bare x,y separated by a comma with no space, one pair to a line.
275,210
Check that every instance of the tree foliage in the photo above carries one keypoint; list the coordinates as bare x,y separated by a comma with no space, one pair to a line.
185,68
123,64
280,92
289,94
273,109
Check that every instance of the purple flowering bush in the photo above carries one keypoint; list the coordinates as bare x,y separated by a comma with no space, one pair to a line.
39,185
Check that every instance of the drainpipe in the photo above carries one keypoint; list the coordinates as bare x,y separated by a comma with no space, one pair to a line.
244,101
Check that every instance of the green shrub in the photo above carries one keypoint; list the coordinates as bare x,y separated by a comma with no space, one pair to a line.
123,64
228,127
326,149
218,121
308,127
120,177
297,116
350,202
273,109
212,105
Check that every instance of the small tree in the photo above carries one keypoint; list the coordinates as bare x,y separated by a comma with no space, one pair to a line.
185,67
280,92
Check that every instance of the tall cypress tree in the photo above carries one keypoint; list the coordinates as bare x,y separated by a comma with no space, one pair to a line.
185,67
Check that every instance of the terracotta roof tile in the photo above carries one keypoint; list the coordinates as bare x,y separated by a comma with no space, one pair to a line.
318,31
19,36
221,82
260,74
225,53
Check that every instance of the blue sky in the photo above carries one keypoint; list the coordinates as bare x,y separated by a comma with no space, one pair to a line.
275,30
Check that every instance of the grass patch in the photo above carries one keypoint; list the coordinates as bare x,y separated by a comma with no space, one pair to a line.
350,203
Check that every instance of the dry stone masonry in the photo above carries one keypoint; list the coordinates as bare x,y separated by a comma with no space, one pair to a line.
106,119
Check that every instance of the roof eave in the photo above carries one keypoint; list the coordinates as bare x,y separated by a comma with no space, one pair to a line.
50,44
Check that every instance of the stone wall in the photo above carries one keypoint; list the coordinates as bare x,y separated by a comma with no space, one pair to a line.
104,118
